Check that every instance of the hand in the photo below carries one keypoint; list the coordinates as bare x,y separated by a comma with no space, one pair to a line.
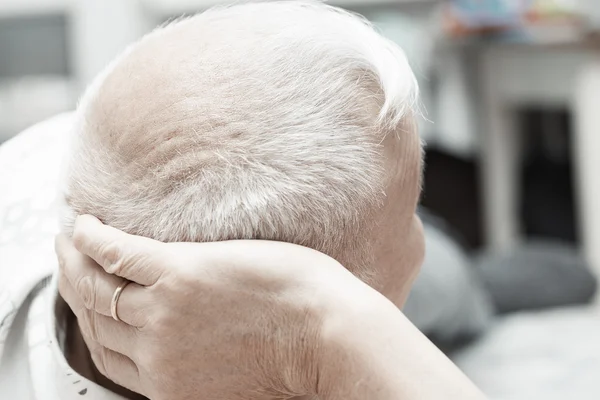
243,320
226,320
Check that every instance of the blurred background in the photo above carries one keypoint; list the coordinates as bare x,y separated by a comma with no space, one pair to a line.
511,206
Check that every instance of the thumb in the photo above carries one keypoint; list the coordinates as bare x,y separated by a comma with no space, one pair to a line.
134,258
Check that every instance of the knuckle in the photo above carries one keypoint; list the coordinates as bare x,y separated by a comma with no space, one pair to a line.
146,360
95,327
116,267
150,326
151,359
95,353
123,263
90,325
84,322
62,262
161,323
85,288
156,325
78,237
143,321
106,364
63,284
100,358
113,254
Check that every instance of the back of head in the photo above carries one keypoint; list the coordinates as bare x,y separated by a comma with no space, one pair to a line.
257,121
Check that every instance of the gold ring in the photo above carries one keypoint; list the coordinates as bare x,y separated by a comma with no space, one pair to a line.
115,299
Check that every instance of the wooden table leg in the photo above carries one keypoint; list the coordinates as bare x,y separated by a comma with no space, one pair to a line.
499,160
587,157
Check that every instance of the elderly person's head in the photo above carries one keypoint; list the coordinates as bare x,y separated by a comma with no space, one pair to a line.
285,121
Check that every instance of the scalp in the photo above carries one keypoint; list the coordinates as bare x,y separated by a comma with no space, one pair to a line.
255,121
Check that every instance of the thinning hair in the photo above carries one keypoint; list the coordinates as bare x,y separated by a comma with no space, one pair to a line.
261,120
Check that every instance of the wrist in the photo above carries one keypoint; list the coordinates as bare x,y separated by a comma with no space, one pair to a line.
370,350
356,328
318,296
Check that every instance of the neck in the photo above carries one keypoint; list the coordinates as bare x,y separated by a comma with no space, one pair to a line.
79,358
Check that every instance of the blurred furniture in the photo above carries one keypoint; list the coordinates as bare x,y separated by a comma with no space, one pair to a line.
101,29
557,69
586,101
452,191
448,302
536,275
35,79
548,352
96,32
13,8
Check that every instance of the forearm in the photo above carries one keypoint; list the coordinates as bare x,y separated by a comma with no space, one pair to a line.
375,353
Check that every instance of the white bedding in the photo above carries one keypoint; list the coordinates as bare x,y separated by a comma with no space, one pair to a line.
549,355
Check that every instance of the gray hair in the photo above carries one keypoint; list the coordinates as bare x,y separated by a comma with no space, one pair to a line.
261,121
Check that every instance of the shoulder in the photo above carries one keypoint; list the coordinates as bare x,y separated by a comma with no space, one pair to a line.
36,136
15,376
30,171
30,168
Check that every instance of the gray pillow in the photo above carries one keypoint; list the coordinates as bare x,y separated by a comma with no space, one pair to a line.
447,301
539,274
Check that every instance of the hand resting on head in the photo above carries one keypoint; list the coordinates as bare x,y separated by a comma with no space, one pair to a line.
243,320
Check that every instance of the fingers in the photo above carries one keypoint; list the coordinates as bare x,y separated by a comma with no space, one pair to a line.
128,256
114,335
116,367
94,287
